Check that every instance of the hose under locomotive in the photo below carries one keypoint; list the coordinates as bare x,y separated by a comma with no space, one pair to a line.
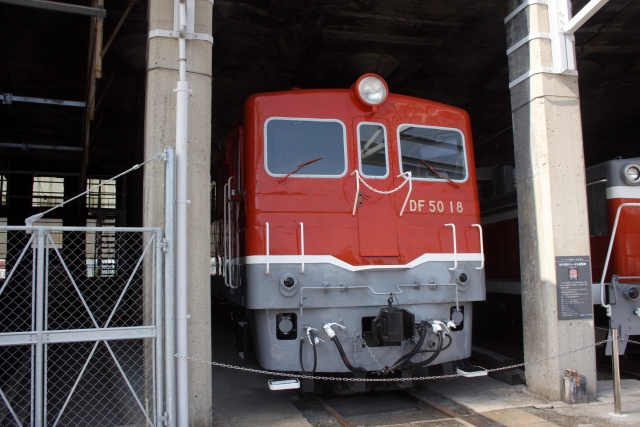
404,362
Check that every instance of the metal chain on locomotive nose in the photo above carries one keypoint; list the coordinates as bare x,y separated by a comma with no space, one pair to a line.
380,191
424,378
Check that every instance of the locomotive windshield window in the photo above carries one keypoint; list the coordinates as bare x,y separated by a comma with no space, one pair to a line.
432,153
313,147
373,150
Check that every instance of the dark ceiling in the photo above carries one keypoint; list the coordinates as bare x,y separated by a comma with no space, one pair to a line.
451,52
44,54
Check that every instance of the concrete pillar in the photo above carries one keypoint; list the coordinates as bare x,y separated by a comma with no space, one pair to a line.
160,116
552,203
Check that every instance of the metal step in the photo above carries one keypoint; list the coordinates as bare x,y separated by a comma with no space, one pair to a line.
284,384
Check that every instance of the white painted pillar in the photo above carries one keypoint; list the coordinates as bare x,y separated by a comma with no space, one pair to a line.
160,121
552,202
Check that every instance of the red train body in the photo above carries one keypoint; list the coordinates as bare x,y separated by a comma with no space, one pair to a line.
325,205
293,215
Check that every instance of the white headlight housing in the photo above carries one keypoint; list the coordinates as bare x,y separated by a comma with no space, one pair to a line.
371,90
631,174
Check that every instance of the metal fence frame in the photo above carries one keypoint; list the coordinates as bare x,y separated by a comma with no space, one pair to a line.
39,338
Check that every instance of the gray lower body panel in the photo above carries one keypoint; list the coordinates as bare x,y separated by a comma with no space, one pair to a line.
328,293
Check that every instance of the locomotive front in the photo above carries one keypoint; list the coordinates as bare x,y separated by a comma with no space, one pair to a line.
613,194
351,230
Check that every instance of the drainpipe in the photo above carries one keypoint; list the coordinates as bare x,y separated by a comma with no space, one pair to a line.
182,115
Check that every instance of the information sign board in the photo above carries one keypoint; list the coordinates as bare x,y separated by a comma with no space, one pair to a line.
573,284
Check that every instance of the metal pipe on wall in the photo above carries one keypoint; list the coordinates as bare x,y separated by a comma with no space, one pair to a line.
169,289
182,116
159,320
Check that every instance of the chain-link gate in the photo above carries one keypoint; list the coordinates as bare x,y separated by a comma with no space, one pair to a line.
80,326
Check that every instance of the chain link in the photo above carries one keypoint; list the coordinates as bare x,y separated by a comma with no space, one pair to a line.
384,192
315,377
364,343
291,375
355,352
633,342
518,365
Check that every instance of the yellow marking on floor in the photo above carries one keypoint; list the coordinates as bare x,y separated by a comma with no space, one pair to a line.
517,418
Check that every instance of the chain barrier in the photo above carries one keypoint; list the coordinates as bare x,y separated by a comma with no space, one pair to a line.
425,378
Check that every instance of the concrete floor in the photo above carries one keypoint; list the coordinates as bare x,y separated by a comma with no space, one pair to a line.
516,406
242,399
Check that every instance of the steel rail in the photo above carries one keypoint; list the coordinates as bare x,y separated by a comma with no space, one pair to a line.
343,421
622,371
441,408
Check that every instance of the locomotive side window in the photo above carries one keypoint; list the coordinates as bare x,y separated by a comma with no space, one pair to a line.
373,150
432,153
305,147
597,206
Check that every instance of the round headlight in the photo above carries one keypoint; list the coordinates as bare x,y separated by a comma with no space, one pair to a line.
631,174
371,89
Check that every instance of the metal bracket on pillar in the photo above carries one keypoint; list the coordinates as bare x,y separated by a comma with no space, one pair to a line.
521,7
191,34
581,17
175,35
562,45
526,40
562,27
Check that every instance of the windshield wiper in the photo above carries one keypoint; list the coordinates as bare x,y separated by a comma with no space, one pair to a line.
300,166
439,176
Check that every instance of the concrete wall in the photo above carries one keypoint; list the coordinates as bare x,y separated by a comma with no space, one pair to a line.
162,75
552,204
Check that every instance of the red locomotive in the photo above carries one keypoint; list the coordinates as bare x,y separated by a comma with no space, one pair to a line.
613,198
350,215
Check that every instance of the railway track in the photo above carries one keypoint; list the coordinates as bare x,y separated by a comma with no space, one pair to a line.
395,409
622,371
